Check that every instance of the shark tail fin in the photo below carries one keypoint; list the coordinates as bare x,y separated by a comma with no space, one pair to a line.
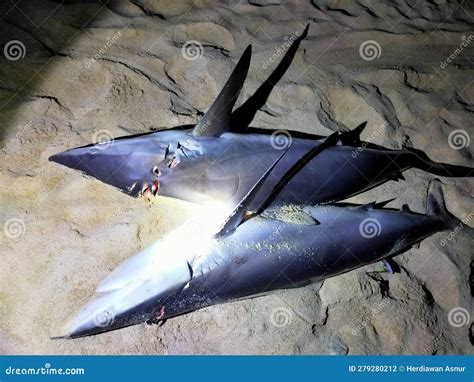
420,160
436,206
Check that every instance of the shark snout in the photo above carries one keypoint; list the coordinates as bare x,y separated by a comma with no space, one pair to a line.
92,319
118,165
131,294
104,313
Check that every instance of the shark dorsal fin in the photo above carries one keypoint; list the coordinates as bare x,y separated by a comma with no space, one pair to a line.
353,136
217,119
405,208
376,205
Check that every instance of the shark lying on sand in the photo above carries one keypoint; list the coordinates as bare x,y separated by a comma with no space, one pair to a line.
251,256
220,158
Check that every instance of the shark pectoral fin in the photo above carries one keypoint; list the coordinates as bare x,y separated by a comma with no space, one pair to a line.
264,201
255,202
352,137
217,119
387,266
237,216
383,203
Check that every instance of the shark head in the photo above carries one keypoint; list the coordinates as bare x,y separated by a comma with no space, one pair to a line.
134,164
111,311
139,289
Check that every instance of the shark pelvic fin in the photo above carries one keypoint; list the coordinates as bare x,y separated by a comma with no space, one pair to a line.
387,266
399,176
217,119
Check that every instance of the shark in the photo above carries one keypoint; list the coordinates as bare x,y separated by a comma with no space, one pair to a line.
221,157
253,254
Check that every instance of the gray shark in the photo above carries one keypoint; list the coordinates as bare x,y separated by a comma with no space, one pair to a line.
220,160
253,256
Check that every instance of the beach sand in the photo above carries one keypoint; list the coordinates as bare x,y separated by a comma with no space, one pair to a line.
91,70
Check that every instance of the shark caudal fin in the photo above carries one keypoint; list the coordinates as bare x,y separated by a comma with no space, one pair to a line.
419,159
436,206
